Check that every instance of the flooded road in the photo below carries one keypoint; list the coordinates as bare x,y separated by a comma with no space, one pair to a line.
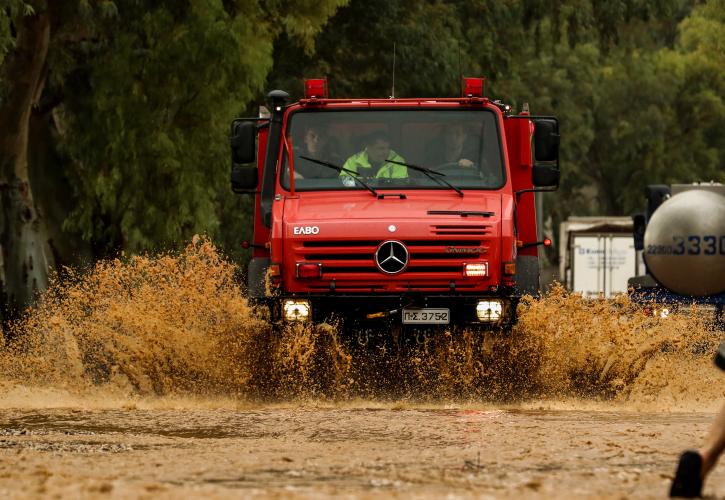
361,450
151,377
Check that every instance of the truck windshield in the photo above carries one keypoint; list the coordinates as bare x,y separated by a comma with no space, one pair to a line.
461,147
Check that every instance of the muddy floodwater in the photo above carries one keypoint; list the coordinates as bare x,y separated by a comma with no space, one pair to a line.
361,450
151,377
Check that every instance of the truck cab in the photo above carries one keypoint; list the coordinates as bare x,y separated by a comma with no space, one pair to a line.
413,212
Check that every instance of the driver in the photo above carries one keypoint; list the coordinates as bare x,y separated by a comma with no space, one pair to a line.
373,162
456,146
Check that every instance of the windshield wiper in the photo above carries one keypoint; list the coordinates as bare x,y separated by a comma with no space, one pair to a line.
429,172
342,169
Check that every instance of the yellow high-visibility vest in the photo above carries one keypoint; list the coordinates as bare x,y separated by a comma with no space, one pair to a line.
388,170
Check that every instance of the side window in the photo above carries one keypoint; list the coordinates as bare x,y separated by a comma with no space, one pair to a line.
284,178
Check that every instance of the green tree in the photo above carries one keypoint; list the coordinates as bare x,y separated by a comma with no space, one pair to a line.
150,160
697,134
141,98
357,48
637,108
27,31
590,63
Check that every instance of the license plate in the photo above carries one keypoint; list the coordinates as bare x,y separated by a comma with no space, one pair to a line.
426,316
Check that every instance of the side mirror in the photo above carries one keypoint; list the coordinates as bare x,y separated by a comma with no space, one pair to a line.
545,175
656,196
639,224
243,142
545,172
546,140
244,179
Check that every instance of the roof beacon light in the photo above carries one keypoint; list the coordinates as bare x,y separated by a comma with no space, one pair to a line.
316,88
473,87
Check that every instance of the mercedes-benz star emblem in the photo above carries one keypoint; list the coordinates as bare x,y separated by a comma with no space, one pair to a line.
391,257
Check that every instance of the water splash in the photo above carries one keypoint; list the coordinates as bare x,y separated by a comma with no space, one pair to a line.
611,349
155,324
178,325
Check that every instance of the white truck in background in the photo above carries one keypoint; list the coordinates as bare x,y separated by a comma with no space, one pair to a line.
597,255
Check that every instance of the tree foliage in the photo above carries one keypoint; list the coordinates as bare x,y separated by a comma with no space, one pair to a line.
636,84
146,132
634,114
142,94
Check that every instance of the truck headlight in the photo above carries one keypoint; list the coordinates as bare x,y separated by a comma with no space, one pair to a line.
662,312
489,311
657,311
477,269
296,310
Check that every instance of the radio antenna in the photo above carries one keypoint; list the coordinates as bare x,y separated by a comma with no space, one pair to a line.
392,96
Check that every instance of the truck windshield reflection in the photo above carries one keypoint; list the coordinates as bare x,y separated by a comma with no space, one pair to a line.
429,149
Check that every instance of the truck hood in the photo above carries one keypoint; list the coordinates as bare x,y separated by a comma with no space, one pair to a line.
342,233
311,207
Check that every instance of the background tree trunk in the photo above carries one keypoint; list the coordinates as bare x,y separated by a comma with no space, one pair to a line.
25,257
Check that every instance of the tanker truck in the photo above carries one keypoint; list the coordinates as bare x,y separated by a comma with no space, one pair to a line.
360,215
682,239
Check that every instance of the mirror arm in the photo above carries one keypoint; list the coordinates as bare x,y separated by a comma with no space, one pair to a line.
259,126
244,191
534,244
254,119
536,190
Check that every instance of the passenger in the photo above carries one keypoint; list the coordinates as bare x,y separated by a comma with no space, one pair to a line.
373,161
695,465
319,145
456,146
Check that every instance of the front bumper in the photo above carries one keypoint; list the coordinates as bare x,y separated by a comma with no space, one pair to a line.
378,310
663,302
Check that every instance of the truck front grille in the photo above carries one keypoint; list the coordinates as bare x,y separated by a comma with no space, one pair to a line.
439,258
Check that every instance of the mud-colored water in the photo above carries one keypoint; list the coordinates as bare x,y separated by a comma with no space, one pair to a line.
151,376
350,450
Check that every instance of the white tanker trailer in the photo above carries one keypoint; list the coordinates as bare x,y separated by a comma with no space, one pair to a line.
682,238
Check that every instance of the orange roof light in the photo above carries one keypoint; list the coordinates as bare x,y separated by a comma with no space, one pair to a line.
316,88
473,87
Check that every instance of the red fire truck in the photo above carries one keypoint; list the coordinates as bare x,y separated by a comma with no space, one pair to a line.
397,212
